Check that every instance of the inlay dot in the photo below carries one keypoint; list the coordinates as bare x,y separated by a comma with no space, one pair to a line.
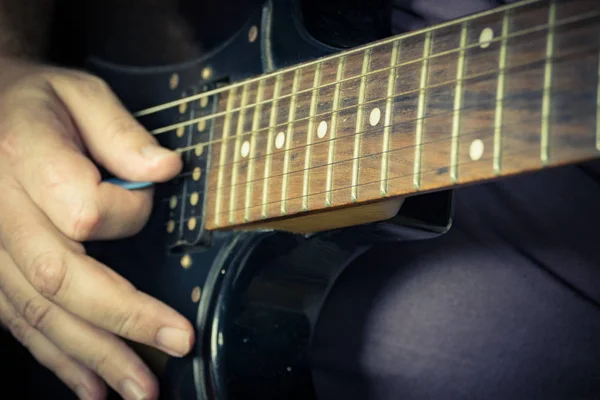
322,129
204,101
476,150
191,223
180,131
173,202
183,108
280,140
486,37
198,150
174,81
206,73
201,125
245,149
196,173
194,198
171,226
375,116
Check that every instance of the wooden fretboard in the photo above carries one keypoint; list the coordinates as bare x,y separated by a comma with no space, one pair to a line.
500,93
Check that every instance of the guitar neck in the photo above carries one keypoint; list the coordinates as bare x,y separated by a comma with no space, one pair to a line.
496,94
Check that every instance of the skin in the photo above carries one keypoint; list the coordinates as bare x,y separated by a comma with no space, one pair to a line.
69,310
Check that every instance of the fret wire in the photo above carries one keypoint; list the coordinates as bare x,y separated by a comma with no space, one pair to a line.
497,10
288,141
407,122
432,170
475,133
598,108
309,132
220,176
272,121
497,159
359,122
236,154
545,134
333,133
407,175
473,76
251,159
513,35
388,118
421,111
458,103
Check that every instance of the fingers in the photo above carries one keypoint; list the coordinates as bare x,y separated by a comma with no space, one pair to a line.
113,137
98,350
84,286
67,187
78,378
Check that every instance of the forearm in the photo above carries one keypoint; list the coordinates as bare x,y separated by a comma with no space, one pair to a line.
25,28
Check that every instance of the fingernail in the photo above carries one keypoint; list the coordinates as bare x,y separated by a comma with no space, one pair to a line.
174,341
82,393
153,151
132,391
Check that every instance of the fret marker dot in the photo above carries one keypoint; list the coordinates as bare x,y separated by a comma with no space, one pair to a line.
375,116
322,130
204,101
194,198
196,292
486,37
280,140
476,150
245,148
191,224
180,131
198,150
171,226
173,202
201,125
196,173
174,81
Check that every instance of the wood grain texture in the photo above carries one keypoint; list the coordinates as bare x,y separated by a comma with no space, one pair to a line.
420,112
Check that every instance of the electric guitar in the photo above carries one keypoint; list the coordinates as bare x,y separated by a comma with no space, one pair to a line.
300,155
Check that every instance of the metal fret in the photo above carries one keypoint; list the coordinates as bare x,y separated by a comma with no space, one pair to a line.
255,126
334,116
500,98
359,120
288,140
387,128
458,102
598,110
236,155
545,134
222,162
272,122
421,112
309,133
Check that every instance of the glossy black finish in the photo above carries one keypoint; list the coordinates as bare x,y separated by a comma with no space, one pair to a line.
261,292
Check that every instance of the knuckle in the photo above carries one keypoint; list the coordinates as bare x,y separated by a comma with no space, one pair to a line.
48,274
85,222
100,363
36,312
126,323
90,85
20,329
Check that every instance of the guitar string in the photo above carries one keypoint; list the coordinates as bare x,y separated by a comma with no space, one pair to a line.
470,18
363,132
211,116
407,176
411,147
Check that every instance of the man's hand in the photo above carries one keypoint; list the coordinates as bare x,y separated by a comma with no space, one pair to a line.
65,307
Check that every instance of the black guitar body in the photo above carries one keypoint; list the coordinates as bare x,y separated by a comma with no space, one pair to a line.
261,292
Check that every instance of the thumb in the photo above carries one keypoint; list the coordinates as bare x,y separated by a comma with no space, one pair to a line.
113,137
